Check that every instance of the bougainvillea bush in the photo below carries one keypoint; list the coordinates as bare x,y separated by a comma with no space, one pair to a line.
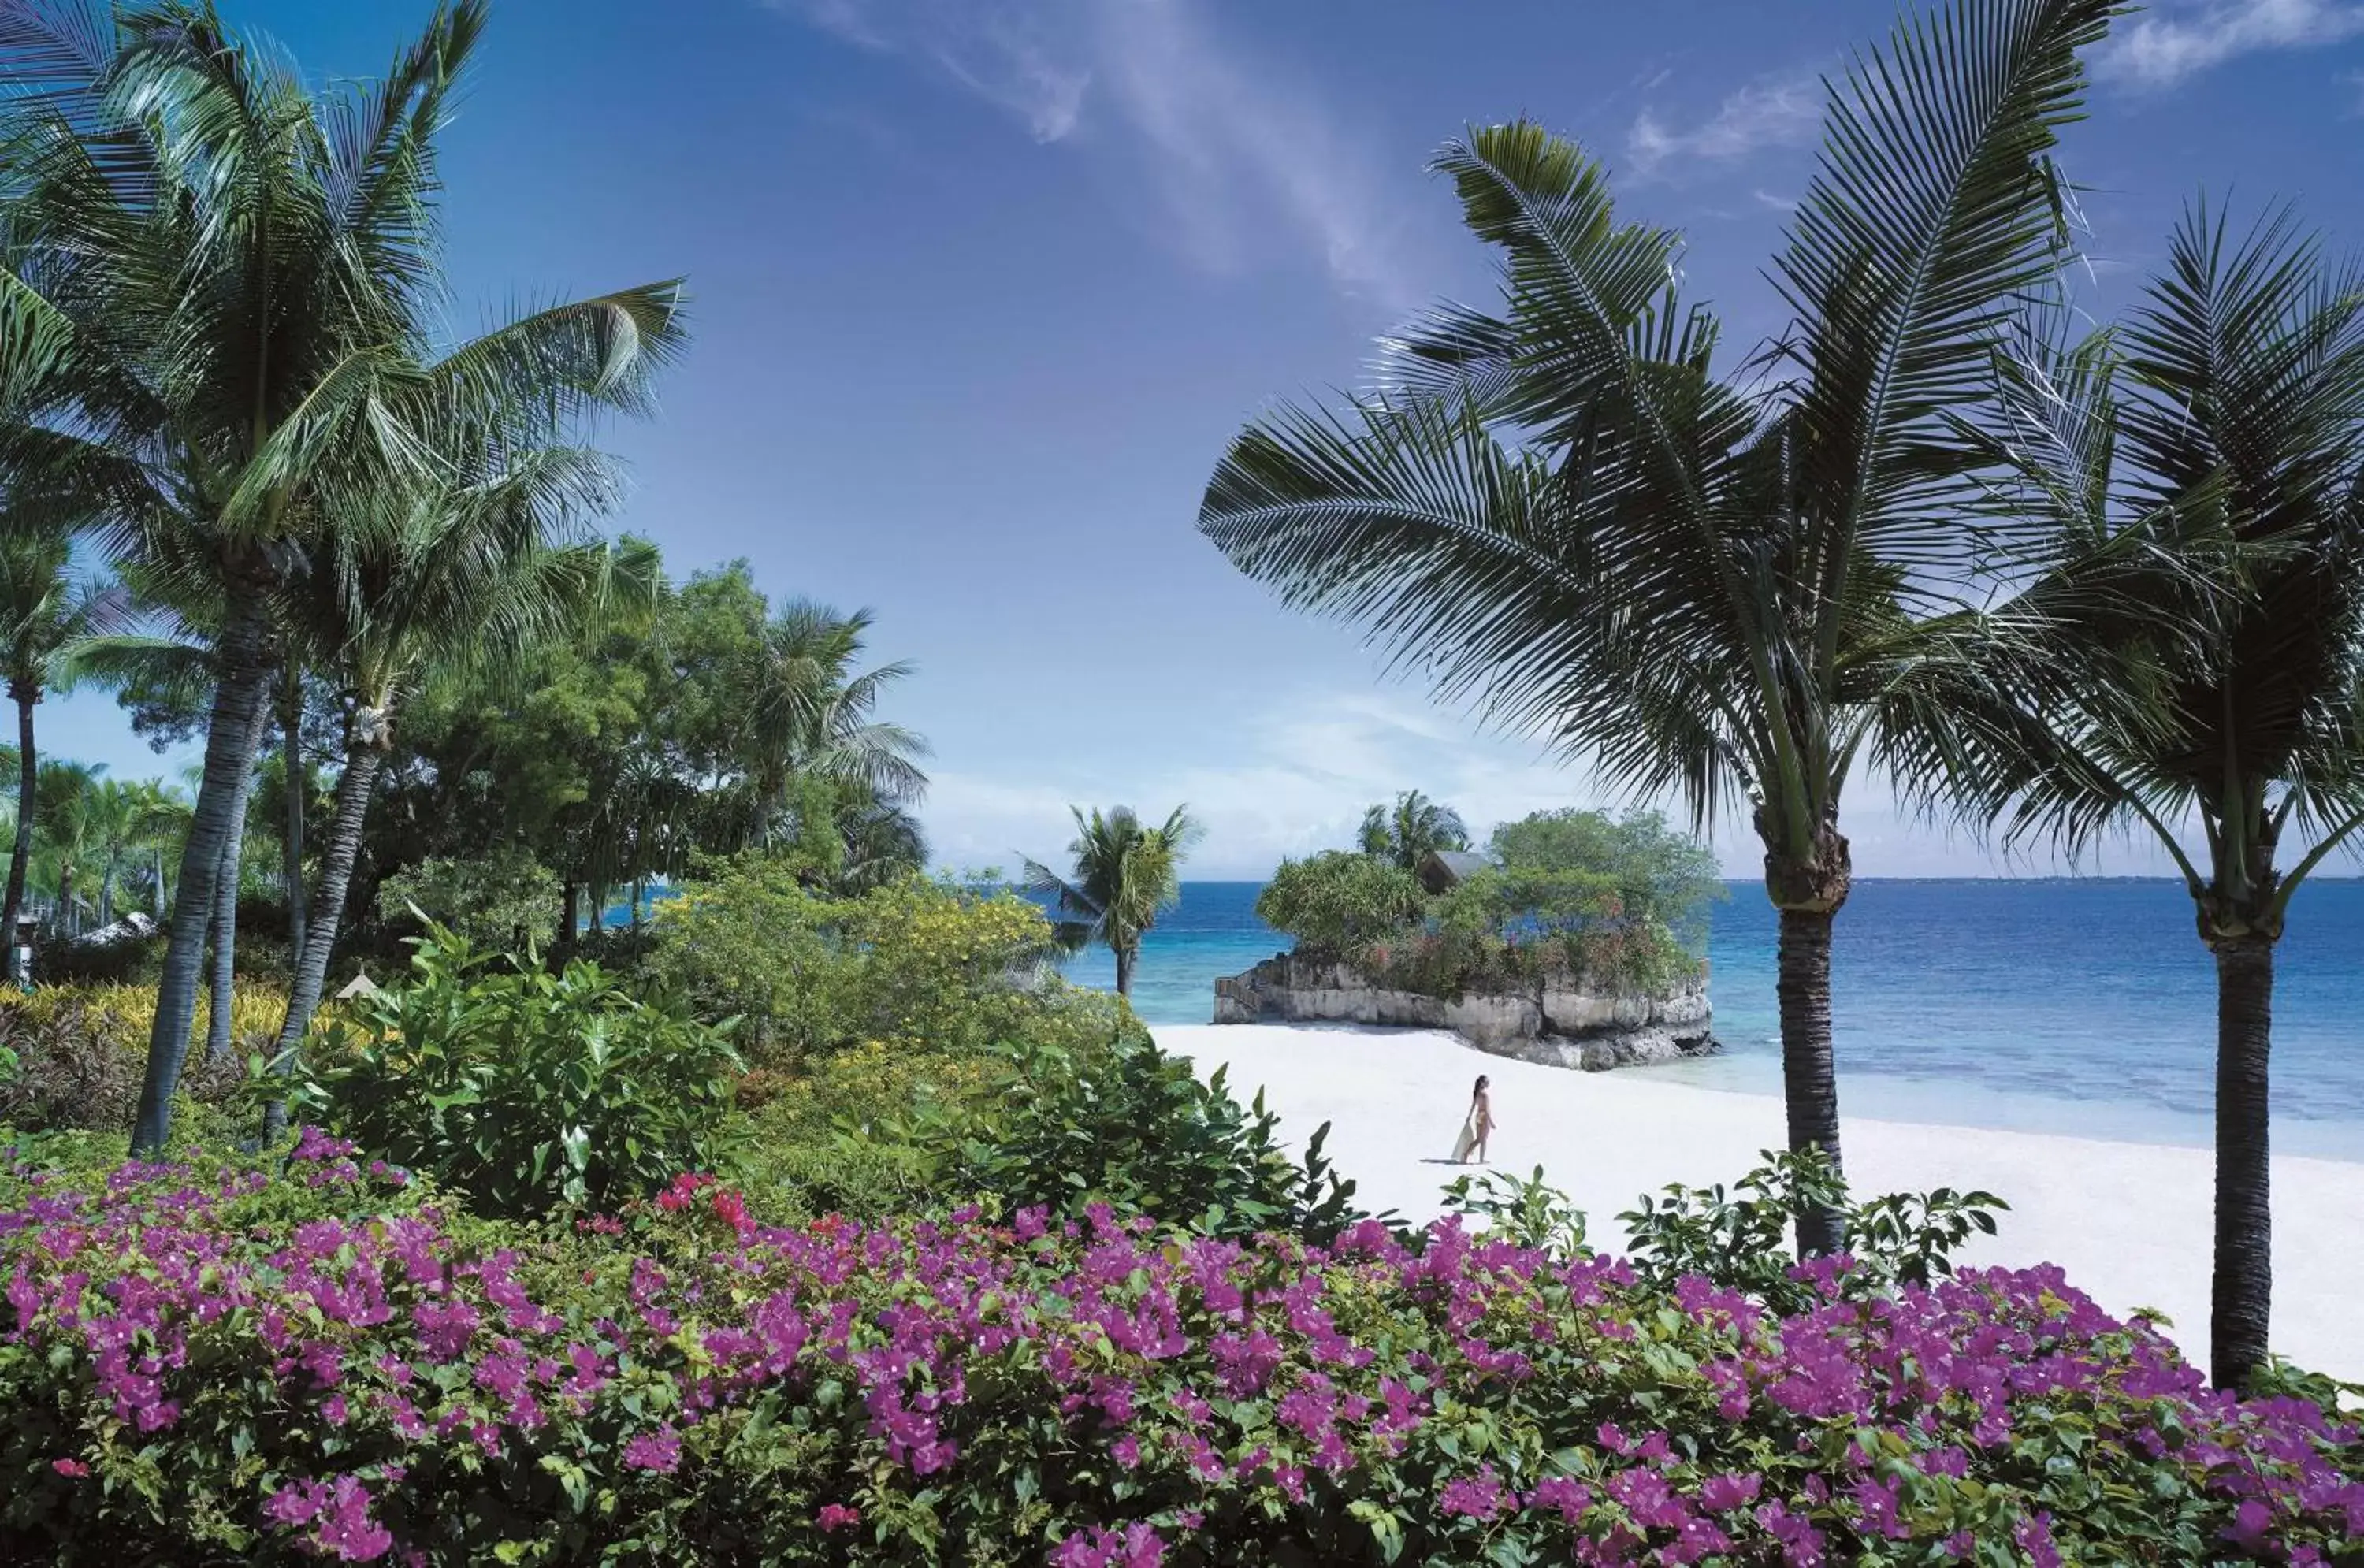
204,1363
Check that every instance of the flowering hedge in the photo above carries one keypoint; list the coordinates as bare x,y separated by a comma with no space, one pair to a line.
204,1363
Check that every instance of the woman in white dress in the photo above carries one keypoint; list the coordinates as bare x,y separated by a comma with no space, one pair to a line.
1475,1127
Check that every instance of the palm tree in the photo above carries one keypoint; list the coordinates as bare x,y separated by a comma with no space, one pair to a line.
811,714
66,807
226,286
1124,874
2223,426
44,606
1415,827
124,819
1732,586
475,574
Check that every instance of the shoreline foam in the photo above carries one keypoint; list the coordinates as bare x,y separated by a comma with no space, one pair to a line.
2129,1222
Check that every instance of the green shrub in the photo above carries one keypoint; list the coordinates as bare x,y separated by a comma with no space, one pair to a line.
81,1052
1126,1125
519,1088
1655,873
1336,904
501,902
918,963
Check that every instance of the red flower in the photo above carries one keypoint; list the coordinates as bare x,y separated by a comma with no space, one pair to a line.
837,1516
69,1467
731,1208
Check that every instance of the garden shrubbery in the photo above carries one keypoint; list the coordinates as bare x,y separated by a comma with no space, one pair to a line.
919,963
80,1052
206,1363
522,1089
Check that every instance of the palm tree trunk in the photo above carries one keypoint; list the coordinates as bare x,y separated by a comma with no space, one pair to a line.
354,790
225,976
1124,960
2244,1284
21,857
1809,1086
229,757
570,918
297,781
67,925
106,892
163,892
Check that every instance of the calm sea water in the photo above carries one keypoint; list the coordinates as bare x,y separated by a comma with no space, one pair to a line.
2071,1006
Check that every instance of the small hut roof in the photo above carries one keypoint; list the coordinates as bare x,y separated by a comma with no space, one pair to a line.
1440,869
359,986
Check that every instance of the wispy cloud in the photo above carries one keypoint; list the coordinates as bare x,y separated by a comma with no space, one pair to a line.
1773,112
1307,766
2162,50
1231,155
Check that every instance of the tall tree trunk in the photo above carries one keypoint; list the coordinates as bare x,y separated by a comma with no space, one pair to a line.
297,779
1810,1089
354,789
106,892
225,976
229,757
1809,891
2242,1297
21,857
66,925
163,892
1125,959
569,913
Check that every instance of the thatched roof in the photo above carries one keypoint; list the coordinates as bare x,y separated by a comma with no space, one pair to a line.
1441,870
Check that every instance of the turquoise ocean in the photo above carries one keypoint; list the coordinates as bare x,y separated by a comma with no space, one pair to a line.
2084,1007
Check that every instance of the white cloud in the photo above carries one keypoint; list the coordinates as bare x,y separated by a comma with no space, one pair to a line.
1774,112
1230,155
1309,764
2162,50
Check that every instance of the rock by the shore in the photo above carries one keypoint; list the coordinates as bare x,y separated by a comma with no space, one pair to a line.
1558,1023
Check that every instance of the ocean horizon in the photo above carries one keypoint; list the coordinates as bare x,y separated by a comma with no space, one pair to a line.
2077,1006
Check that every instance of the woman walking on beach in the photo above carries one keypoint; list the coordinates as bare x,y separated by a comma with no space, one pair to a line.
1475,1127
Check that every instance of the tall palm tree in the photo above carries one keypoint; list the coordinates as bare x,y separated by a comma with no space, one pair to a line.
1736,585
226,286
1415,827
1124,876
45,606
475,574
811,714
2222,424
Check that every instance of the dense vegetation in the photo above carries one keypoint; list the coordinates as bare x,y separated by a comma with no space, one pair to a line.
1567,894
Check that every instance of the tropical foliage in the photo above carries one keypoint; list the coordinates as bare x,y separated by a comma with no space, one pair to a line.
1735,584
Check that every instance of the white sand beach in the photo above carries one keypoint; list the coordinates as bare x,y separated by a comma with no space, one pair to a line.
2130,1222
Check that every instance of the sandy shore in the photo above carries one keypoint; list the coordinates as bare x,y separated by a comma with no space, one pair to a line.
2130,1222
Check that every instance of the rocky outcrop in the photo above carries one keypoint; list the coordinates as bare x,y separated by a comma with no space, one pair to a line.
1559,1023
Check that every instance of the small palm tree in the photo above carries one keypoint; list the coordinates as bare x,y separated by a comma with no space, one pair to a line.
67,804
812,713
1124,876
1742,584
2222,428
45,606
1416,826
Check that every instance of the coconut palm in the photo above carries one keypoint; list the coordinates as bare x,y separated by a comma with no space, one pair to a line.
1737,586
221,288
1124,875
124,820
66,817
45,606
2223,425
811,714
476,573
1414,828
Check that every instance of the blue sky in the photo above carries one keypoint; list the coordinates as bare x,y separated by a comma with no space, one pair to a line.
983,286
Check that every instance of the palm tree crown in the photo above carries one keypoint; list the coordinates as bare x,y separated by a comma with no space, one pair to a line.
1124,876
1735,586
1416,825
